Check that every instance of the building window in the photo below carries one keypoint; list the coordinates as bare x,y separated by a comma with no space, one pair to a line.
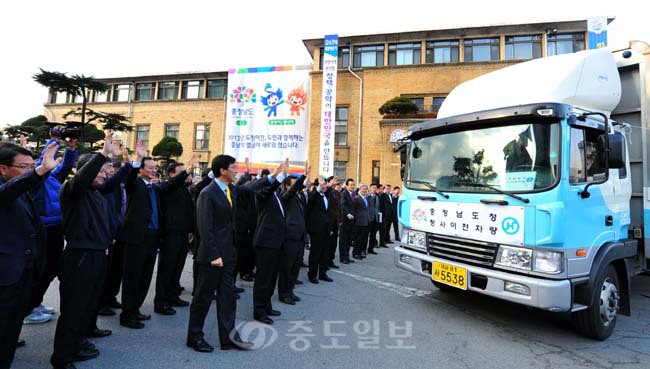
564,43
142,134
101,96
369,56
58,97
201,136
339,169
217,88
192,90
343,58
419,101
404,54
144,91
341,127
442,51
376,171
523,47
171,130
481,49
167,90
436,103
198,171
121,93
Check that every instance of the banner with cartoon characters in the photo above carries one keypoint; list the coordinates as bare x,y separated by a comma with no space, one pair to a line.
268,114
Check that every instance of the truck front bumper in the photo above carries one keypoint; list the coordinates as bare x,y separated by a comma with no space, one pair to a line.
552,295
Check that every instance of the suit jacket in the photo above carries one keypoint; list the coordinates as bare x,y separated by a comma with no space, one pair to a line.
373,207
178,210
294,208
139,207
216,221
319,219
361,213
347,206
334,199
385,206
23,235
394,210
271,218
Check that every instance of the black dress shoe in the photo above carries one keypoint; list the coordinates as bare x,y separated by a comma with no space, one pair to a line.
326,279
237,345
237,297
363,254
247,278
287,300
351,261
180,303
106,311
298,281
295,298
114,304
132,323
272,312
64,366
313,280
239,289
84,355
358,257
345,262
332,265
87,345
201,346
265,320
164,310
141,316
372,252
20,343
99,333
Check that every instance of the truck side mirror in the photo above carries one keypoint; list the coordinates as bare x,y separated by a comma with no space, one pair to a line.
616,150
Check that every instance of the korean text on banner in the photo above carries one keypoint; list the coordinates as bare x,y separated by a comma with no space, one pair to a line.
328,110
268,114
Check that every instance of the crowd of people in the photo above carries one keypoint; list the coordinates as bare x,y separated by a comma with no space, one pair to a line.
102,228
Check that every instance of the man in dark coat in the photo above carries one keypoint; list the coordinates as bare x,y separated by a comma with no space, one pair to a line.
23,237
319,227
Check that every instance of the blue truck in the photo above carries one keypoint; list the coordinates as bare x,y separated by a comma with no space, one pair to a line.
533,186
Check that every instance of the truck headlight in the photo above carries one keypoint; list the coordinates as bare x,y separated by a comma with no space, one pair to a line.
514,257
548,261
417,240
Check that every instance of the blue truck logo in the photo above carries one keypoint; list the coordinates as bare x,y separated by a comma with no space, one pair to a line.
510,225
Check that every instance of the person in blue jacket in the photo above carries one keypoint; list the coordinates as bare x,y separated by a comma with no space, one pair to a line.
46,199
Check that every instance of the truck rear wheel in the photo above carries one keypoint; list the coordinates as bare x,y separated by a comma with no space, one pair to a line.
599,319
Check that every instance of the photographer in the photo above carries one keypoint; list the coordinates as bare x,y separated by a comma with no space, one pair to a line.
46,199
83,265
23,239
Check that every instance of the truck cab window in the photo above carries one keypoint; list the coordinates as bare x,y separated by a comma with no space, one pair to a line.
584,164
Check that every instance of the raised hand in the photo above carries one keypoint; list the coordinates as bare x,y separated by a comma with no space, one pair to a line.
125,154
193,163
286,166
248,165
108,144
23,141
140,150
334,180
278,170
49,162
307,169
72,143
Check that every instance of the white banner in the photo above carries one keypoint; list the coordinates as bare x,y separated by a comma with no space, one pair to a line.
491,223
268,114
328,109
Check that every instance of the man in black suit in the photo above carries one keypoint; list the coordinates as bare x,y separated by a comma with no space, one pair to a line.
141,231
216,256
319,227
361,222
347,226
83,265
388,211
334,197
23,237
294,243
395,220
245,224
268,241
178,225
374,210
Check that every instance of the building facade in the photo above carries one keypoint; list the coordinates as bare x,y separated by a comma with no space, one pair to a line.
423,66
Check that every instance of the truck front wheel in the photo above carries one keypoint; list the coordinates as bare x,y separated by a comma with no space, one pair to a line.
599,319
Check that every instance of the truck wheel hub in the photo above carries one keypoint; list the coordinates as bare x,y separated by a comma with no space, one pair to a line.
608,302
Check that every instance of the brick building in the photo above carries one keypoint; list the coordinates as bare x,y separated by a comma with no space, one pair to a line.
423,66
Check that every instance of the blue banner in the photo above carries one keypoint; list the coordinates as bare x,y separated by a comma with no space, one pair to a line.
332,45
597,36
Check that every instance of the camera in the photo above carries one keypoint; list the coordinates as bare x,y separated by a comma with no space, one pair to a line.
71,130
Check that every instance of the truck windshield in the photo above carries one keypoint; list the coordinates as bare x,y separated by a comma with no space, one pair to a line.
516,158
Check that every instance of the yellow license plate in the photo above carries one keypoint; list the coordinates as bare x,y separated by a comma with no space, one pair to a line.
450,274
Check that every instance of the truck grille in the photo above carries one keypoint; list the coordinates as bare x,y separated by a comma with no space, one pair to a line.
462,249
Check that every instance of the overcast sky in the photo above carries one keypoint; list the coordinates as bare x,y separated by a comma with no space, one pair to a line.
130,37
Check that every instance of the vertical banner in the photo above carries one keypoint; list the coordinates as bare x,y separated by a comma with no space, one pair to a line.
597,32
328,109
267,115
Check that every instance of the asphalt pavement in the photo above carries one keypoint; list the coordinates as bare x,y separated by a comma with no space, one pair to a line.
373,315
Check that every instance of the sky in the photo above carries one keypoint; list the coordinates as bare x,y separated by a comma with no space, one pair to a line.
128,37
